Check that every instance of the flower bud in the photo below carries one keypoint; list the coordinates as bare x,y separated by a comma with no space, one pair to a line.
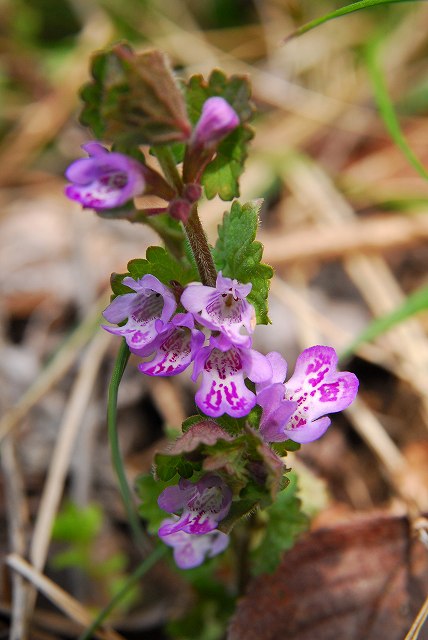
217,120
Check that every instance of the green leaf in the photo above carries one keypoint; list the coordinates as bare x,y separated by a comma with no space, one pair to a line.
238,255
222,174
285,521
221,177
387,111
159,263
415,303
134,97
148,490
349,8
76,524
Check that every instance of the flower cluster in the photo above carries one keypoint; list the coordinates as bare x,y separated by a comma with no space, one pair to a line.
174,342
296,409
194,535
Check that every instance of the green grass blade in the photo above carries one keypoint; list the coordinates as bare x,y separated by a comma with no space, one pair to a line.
387,111
350,8
415,303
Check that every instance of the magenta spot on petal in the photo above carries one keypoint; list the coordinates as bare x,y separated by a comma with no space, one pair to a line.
329,392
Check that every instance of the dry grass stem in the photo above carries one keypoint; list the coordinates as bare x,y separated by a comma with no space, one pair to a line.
419,622
57,367
57,596
61,457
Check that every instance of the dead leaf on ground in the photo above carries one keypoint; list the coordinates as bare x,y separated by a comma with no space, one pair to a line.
363,580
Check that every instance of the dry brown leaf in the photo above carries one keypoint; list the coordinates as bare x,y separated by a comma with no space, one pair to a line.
364,580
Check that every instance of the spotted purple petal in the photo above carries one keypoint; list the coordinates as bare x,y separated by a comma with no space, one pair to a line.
191,550
148,309
176,347
105,180
316,387
222,308
224,366
203,505
277,411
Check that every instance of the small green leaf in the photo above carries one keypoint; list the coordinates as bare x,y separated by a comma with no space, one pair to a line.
134,97
221,177
349,8
222,174
285,522
159,263
282,448
238,255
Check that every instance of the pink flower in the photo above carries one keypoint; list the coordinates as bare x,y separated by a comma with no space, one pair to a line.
105,180
222,308
190,550
203,505
176,347
224,366
297,409
147,310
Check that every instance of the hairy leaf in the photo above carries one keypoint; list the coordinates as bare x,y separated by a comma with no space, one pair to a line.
238,255
159,263
285,522
134,97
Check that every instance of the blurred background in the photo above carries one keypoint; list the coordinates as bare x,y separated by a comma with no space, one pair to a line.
344,222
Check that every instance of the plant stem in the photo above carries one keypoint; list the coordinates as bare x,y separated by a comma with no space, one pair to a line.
200,247
193,227
116,377
167,162
142,569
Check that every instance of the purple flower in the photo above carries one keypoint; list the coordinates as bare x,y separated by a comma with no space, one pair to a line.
105,180
191,550
203,505
147,309
222,308
176,347
224,367
217,119
298,408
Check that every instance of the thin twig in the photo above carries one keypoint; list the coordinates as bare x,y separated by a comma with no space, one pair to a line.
58,596
57,367
18,521
418,622
61,456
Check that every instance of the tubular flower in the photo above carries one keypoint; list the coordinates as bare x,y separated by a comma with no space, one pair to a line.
176,347
203,505
297,409
217,120
190,550
147,309
222,308
105,180
224,366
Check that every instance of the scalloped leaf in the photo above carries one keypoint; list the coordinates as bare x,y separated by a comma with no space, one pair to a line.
134,97
159,263
285,522
238,255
